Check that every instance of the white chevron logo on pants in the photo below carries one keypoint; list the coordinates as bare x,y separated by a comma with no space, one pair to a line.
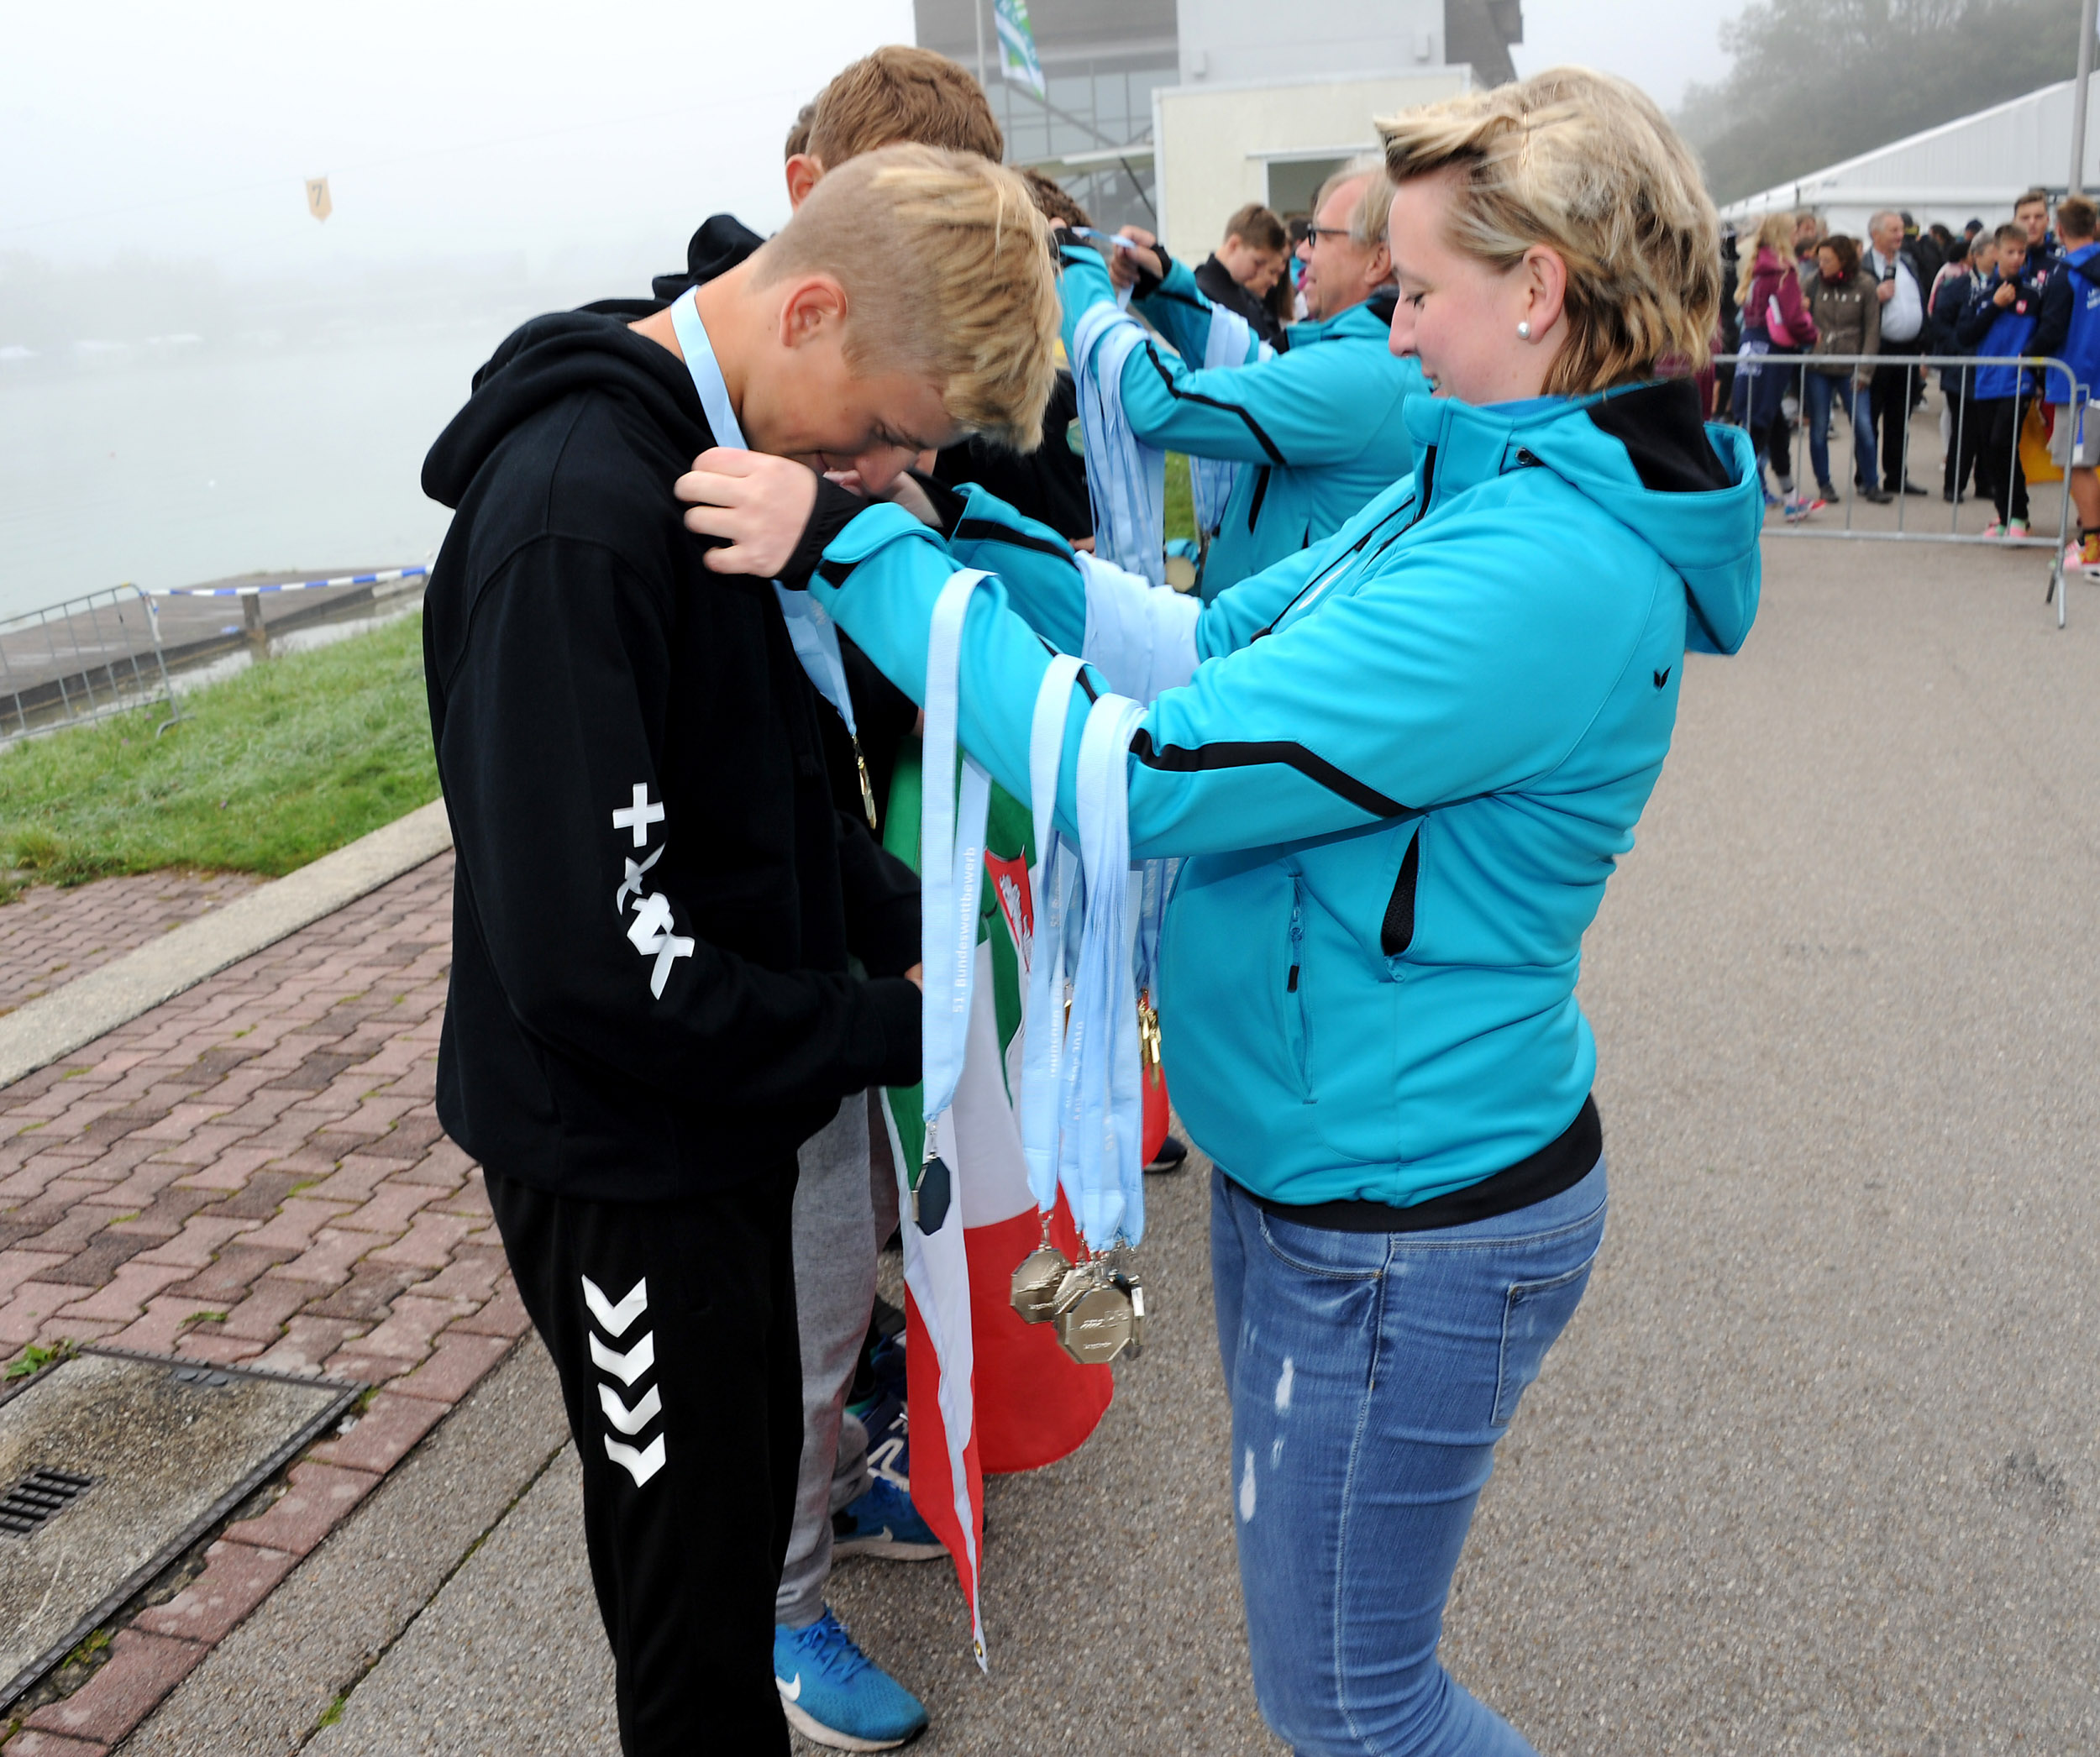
641,1465
615,1318
629,1421
625,1367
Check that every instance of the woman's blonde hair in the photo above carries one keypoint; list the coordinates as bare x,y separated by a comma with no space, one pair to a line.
1586,166
1775,232
948,273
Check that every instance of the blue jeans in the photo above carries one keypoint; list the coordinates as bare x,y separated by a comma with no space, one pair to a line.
1823,391
1371,1375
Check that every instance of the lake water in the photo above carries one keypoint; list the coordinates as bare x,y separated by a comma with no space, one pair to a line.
177,459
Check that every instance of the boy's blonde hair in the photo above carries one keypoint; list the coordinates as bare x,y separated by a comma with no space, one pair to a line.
1586,166
901,93
947,272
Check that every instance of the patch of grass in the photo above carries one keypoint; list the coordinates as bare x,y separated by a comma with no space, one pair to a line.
333,1712
264,772
88,1649
204,1318
35,1358
1181,505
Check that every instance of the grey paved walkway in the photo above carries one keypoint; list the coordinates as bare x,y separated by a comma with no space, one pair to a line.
1815,1469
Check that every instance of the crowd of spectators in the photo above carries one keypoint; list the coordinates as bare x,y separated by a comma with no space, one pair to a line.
1858,316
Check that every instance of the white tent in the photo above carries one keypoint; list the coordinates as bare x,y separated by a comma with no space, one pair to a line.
1968,168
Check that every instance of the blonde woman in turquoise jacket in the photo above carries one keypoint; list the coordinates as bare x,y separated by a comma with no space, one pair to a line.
1402,766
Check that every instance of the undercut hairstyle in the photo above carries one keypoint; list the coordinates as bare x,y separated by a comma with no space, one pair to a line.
1258,228
2076,217
1053,202
2012,233
1586,166
1369,213
1847,252
798,139
2032,195
948,273
901,94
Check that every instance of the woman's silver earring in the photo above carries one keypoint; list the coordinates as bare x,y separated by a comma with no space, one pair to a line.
1524,330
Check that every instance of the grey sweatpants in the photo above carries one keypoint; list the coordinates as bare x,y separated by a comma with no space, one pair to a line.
845,1206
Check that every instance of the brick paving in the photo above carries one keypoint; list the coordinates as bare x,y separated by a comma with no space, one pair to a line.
253,1172
49,935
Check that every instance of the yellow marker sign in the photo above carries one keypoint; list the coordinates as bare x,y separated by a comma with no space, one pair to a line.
318,202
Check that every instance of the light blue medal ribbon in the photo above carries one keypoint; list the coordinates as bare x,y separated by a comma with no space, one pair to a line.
1211,480
1104,1095
1126,479
951,879
1053,886
815,635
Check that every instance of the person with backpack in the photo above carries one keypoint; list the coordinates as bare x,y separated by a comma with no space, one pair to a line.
1776,327
1841,297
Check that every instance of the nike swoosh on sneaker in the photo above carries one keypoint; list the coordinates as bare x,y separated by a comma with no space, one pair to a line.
793,1692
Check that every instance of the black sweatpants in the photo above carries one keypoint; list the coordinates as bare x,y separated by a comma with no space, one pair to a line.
672,1325
1894,394
1994,444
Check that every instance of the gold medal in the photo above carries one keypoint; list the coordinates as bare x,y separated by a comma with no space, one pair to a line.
1039,1278
867,788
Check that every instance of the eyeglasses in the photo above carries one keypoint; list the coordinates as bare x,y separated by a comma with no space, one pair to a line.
1302,229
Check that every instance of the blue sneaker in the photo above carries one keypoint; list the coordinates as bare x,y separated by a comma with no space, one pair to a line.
884,1523
833,1694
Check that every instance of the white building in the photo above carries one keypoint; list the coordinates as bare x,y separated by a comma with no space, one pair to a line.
1172,113
1969,169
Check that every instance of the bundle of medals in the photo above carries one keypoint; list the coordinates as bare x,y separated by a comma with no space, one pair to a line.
1082,1082
1097,1304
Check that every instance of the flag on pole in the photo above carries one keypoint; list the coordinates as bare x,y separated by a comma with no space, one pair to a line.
318,202
1017,58
986,1392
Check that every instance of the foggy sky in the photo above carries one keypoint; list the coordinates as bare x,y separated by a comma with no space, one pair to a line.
1661,45
187,131
585,137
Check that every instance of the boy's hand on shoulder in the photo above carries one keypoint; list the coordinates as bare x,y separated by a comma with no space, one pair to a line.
759,505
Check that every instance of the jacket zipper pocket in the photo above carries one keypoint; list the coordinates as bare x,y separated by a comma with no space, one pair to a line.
1294,991
1396,932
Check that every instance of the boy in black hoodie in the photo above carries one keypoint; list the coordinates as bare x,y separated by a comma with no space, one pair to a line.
656,897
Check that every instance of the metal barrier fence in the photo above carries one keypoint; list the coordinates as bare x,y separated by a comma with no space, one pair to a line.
1762,381
81,659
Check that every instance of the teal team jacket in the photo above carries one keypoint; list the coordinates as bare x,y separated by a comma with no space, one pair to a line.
1318,427
1403,762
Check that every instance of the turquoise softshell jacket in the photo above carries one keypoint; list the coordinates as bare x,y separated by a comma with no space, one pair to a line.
1318,429
1403,767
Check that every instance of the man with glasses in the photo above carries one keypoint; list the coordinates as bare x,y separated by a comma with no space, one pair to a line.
1316,426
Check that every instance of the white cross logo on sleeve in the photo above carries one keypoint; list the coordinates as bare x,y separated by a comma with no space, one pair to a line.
631,886
638,817
650,931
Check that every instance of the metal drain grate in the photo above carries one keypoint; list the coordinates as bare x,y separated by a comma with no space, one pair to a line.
38,1496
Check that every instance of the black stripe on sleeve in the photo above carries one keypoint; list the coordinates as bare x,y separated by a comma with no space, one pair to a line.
985,530
1179,394
1179,760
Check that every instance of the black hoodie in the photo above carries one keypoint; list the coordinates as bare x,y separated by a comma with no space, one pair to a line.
645,1003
